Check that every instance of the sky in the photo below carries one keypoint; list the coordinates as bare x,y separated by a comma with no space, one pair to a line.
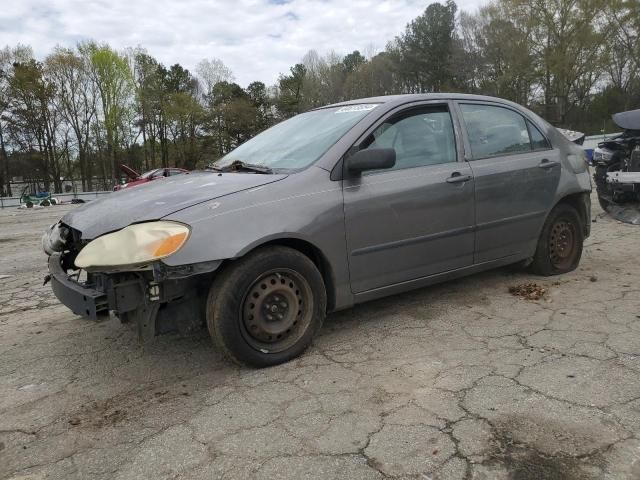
256,39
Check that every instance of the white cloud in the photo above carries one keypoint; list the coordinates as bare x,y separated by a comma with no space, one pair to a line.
257,39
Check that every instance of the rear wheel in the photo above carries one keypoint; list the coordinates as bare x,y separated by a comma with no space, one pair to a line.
265,309
560,244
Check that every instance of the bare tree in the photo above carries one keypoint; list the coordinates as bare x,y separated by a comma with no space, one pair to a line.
76,101
212,72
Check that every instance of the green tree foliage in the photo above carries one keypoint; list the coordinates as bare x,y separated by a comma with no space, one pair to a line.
82,111
34,120
76,103
352,62
235,114
5,69
426,47
566,47
290,91
114,83
148,75
262,103
622,55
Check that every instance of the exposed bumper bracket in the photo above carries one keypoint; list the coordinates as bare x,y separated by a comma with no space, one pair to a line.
623,177
145,317
81,299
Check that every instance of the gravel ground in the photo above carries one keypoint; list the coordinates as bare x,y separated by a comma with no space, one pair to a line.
460,381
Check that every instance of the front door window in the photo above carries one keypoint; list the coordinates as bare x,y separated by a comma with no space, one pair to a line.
420,137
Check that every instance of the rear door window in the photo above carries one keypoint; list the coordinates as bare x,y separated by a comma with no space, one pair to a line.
495,131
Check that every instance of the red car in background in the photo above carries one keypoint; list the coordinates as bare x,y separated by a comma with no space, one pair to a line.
136,179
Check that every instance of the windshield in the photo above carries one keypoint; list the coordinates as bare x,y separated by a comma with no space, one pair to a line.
298,142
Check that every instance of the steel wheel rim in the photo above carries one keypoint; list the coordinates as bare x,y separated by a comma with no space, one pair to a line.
276,310
562,243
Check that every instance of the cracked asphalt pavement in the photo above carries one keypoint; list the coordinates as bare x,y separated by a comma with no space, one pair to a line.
458,381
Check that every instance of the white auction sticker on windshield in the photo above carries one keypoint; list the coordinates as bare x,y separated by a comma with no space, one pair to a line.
363,107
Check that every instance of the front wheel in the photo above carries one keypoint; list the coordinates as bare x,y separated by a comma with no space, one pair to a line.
560,244
264,309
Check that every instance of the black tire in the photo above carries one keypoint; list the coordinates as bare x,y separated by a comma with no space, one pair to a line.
560,244
275,282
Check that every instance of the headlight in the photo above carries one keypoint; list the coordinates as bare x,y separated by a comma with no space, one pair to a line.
602,155
134,245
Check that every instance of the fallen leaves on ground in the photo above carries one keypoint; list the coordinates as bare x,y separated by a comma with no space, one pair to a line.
528,291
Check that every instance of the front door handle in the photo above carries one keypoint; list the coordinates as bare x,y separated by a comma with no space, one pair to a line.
457,177
546,163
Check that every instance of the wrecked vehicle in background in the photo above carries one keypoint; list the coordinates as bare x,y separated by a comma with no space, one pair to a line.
136,179
331,208
617,169
31,197
573,136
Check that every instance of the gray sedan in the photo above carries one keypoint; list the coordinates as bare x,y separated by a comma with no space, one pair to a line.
334,207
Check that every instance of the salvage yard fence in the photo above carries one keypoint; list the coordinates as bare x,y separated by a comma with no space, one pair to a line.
14,202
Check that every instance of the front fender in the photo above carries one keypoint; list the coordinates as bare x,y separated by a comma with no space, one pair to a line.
306,206
229,227
276,237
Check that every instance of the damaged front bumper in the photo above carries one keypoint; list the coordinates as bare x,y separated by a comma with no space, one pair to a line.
158,300
99,294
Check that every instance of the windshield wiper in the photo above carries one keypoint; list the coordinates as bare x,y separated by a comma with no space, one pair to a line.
240,166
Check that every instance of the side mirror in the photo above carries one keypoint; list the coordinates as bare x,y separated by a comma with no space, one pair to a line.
373,159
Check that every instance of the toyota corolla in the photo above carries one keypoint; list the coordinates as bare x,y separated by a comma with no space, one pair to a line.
334,207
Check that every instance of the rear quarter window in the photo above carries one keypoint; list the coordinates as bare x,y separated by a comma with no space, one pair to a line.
538,140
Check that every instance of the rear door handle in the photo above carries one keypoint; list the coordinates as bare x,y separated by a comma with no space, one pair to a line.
457,177
546,163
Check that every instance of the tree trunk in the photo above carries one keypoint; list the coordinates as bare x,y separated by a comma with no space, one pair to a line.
164,145
89,174
5,159
87,168
145,145
115,175
45,162
81,165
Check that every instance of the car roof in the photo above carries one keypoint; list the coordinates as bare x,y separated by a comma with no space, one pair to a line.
390,103
408,98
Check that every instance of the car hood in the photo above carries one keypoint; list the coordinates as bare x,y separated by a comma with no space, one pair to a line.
154,200
628,120
129,172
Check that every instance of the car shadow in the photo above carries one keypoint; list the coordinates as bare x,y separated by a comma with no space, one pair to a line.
475,289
